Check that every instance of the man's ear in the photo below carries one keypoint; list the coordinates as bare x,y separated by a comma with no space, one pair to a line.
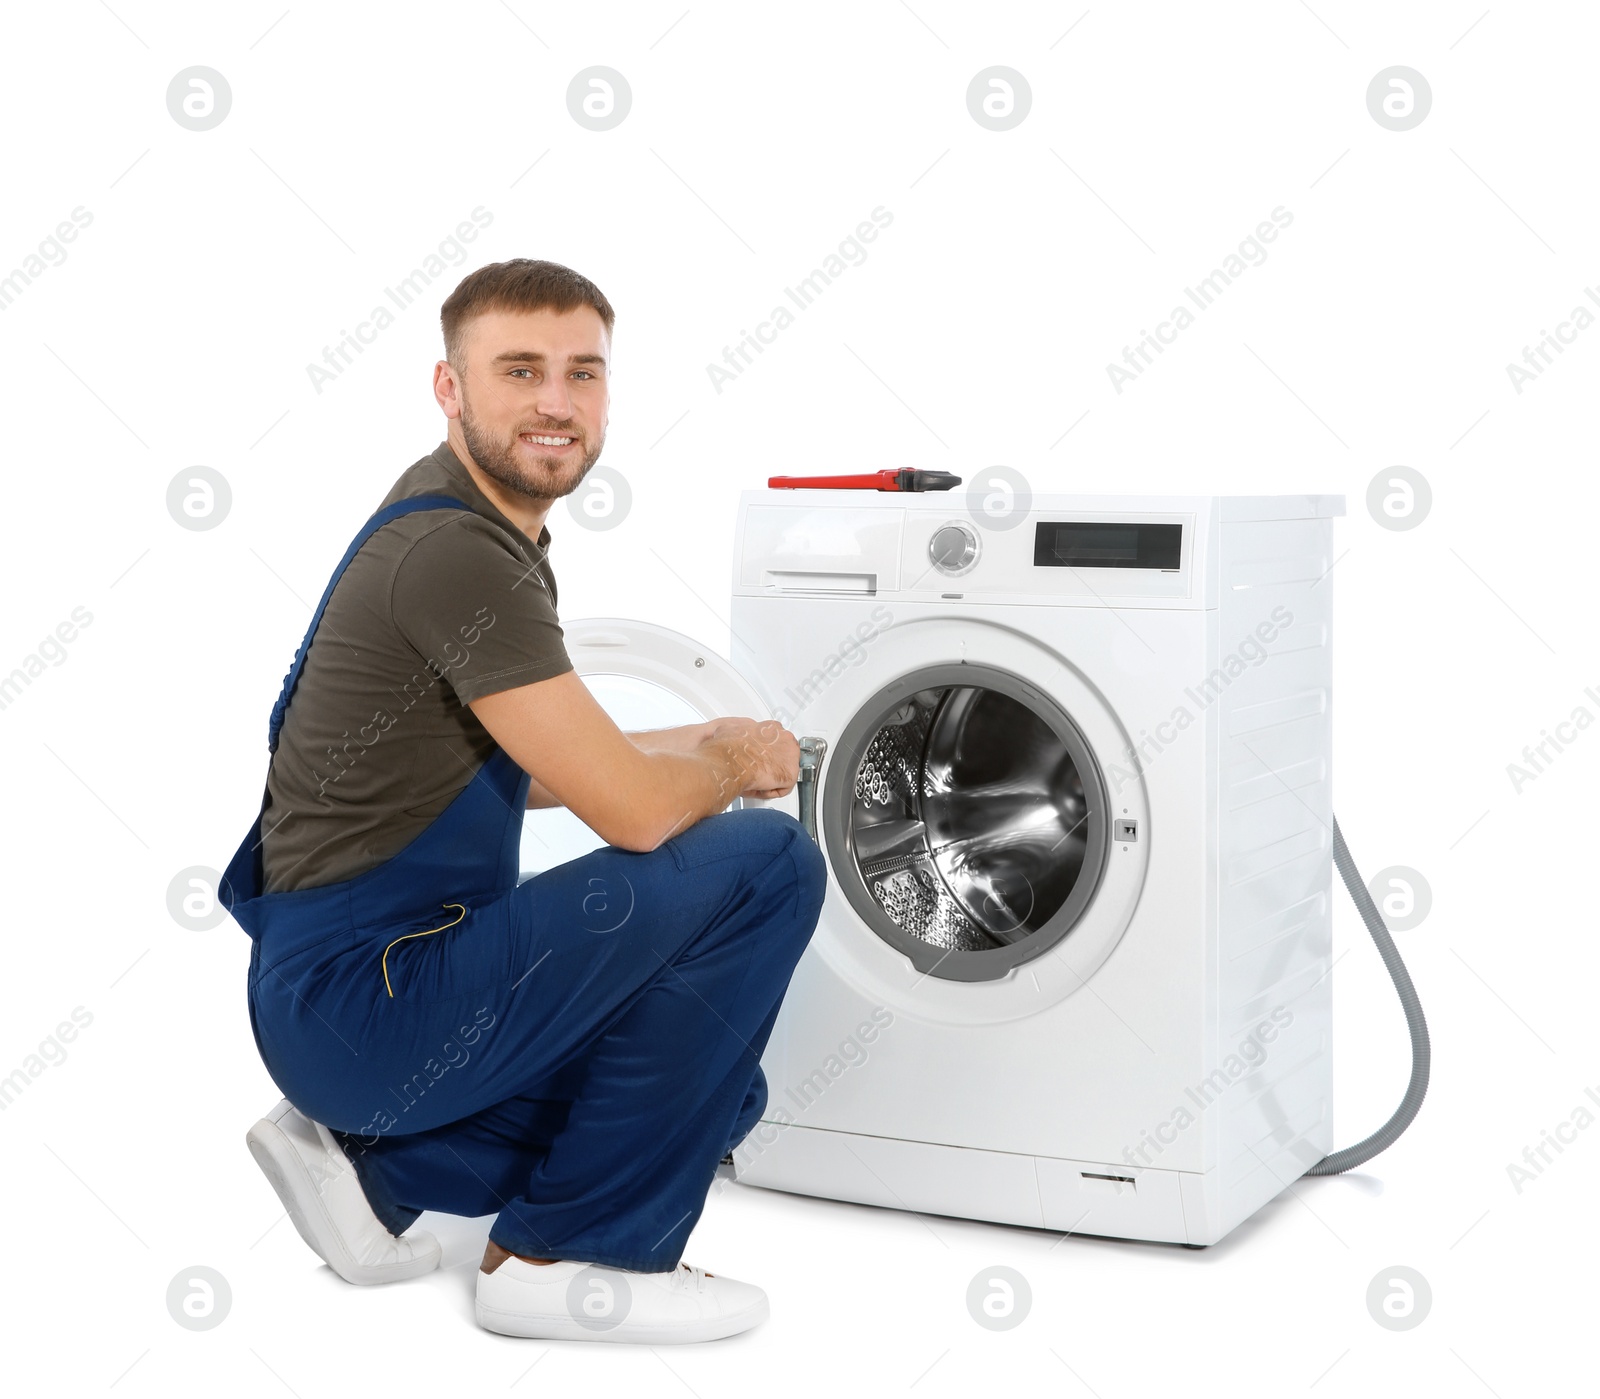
447,389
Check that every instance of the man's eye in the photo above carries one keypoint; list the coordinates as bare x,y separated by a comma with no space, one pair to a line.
523,370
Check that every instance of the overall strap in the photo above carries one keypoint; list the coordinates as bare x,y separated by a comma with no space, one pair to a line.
372,526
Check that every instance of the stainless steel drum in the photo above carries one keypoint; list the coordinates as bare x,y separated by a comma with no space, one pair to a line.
969,824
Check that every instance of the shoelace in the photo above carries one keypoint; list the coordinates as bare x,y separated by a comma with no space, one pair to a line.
684,1274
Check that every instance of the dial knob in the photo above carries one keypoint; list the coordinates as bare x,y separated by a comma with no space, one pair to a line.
953,548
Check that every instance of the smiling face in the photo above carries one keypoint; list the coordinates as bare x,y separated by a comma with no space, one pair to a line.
531,399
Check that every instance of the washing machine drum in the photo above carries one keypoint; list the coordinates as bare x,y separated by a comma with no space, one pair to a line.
971,820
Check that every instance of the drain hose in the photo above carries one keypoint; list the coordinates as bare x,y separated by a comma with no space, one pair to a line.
1421,1051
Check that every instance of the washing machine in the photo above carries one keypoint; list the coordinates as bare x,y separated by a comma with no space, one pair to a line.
1070,770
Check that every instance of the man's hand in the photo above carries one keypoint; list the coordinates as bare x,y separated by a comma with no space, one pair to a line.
773,754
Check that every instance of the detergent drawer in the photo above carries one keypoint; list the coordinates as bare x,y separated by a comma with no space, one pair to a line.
803,548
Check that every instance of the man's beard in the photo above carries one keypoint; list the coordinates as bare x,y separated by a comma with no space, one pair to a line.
503,462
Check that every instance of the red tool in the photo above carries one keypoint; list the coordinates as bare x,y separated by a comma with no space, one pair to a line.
905,478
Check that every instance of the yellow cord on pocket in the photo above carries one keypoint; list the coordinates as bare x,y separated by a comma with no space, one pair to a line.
423,933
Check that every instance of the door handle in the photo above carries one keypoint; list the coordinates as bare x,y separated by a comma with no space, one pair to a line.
811,751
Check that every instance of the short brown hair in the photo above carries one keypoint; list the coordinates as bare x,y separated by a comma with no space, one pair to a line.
522,284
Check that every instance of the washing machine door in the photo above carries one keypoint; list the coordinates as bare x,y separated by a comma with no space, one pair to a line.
644,677
966,819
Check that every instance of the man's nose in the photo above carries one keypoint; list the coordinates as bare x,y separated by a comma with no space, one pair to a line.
554,401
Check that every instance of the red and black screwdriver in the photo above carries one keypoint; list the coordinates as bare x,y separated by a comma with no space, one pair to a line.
904,478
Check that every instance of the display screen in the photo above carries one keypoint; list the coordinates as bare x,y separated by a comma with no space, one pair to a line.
1106,544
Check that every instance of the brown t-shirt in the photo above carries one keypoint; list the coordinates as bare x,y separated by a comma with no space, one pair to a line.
436,609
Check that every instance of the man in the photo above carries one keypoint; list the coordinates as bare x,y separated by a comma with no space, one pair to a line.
574,1054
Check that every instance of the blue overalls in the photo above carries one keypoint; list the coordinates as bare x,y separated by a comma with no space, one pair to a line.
575,1053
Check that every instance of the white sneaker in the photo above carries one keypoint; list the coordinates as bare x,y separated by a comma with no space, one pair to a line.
319,1188
570,1301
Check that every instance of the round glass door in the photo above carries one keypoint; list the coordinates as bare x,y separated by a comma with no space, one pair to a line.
966,820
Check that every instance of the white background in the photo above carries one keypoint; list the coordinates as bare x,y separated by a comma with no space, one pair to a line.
218,263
